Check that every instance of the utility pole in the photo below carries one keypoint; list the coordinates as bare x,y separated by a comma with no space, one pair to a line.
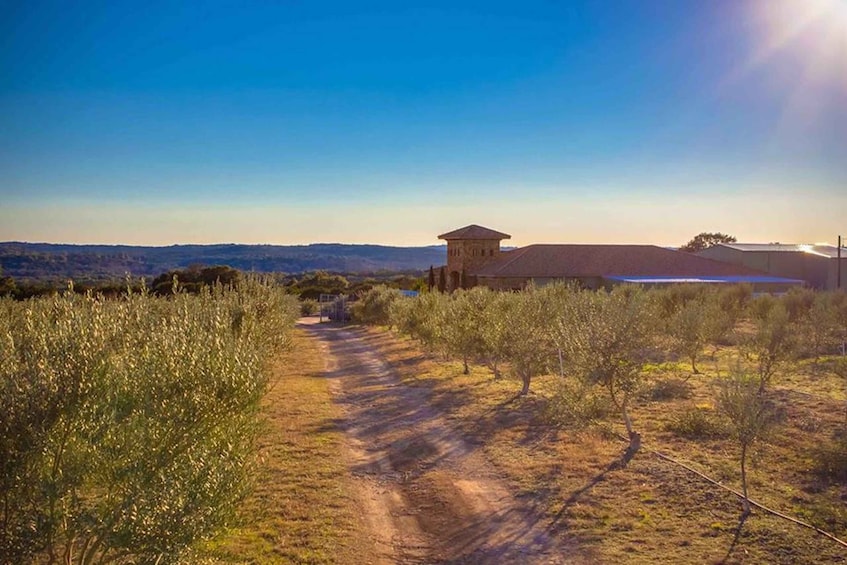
838,287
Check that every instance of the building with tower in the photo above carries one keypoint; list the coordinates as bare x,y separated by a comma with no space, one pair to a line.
468,249
474,257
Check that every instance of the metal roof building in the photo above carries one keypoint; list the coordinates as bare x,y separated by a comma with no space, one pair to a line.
815,264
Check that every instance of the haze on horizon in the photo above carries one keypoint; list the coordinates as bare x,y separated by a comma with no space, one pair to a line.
635,121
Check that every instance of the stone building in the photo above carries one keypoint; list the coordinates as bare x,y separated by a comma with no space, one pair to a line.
468,249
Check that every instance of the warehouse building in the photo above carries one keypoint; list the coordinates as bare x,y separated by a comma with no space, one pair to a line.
815,264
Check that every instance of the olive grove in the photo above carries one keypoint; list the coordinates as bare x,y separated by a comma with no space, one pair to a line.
127,426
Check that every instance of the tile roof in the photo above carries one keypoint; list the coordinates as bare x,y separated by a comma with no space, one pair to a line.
474,231
561,261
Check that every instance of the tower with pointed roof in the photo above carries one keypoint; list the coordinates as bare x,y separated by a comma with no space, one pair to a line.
468,249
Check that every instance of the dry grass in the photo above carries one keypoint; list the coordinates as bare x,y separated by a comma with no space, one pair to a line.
651,511
302,510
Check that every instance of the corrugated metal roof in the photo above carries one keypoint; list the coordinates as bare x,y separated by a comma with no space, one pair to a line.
830,251
570,260
728,280
474,231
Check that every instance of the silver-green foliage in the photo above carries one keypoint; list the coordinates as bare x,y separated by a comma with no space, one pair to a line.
608,337
424,318
482,325
687,328
128,426
750,415
529,344
465,318
495,331
774,340
374,305
819,329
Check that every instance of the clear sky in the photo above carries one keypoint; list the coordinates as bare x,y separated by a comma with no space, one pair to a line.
628,121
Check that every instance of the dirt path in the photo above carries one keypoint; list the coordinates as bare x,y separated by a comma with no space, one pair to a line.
426,495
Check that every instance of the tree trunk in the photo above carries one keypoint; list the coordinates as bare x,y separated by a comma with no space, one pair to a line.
561,363
634,437
746,500
525,377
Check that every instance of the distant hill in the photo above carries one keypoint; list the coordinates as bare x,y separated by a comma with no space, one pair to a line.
48,261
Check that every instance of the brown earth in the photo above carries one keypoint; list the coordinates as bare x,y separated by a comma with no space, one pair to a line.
427,495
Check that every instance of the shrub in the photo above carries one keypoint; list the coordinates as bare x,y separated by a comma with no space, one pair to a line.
839,367
697,423
831,458
309,307
809,423
671,389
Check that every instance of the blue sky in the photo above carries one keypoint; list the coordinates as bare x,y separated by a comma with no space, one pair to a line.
292,122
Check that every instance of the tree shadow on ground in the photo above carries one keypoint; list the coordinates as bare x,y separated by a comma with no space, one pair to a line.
576,496
744,516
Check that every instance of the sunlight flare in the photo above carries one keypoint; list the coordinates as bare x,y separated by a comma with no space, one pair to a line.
813,32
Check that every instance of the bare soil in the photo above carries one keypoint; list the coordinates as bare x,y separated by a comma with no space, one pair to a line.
426,493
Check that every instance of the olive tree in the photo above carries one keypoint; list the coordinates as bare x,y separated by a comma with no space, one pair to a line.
608,339
772,343
687,328
819,327
374,305
557,298
528,345
128,426
494,329
463,323
486,326
423,318
750,416
719,323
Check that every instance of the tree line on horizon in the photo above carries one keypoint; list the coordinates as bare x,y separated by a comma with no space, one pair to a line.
308,285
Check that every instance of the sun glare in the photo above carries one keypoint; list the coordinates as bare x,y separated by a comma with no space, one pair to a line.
802,46
812,32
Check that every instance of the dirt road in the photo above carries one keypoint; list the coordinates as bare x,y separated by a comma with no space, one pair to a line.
426,495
